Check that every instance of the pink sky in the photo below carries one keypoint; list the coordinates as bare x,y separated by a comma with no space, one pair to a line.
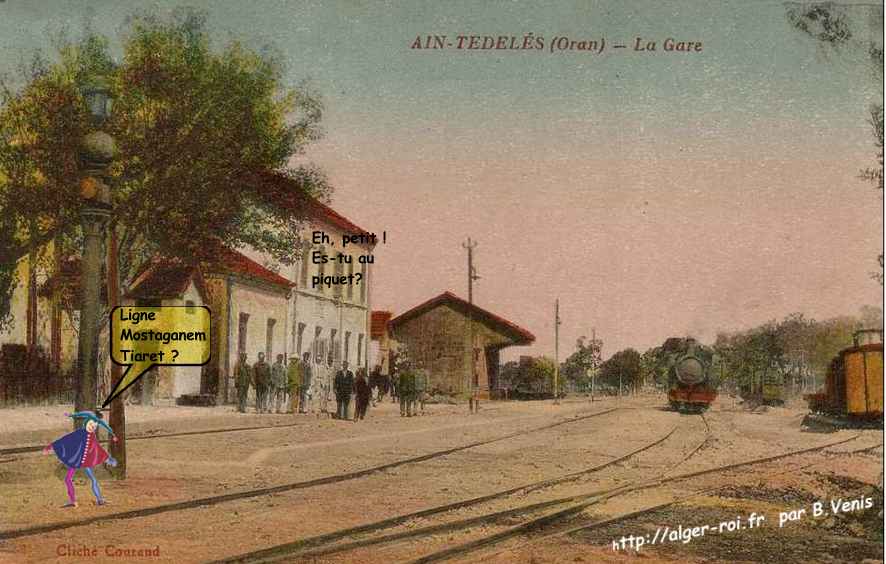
640,247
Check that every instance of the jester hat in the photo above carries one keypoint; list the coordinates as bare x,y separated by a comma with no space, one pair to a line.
91,416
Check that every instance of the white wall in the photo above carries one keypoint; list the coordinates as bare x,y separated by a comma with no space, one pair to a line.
261,305
186,379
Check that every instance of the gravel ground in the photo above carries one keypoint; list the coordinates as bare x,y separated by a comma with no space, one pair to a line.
173,469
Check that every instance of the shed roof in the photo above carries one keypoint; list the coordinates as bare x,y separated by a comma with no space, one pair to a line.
519,335
166,279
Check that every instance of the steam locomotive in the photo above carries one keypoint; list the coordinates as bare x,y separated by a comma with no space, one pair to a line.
691,383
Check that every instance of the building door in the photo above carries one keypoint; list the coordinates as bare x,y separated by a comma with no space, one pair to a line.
492,366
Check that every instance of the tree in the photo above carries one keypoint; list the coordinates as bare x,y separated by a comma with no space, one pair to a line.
587,357
831,25
531,377
622,369
193,125
539,375
653,367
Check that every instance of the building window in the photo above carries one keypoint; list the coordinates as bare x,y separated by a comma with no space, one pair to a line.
300,338
317,346
347,357
305,261
363,282
360,349
339,272
241,334
321,269
269,340
332,353
350,281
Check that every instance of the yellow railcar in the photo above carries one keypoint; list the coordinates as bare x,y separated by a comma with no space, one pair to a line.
855,380
863,374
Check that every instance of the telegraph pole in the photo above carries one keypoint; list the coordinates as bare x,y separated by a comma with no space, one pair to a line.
593,361
472,272
557,351
474,402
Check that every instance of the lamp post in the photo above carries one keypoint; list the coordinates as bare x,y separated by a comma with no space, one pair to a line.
97,149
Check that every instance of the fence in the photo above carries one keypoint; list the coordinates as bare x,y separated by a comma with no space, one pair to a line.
27,378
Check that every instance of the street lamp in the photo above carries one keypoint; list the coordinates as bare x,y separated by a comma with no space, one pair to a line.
97,150
98,100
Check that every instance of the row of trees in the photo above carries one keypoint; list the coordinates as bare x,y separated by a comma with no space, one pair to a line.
798,347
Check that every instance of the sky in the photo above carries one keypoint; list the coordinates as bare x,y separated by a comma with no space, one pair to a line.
654,193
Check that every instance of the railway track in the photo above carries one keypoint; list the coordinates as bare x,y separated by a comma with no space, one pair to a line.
325,545
652,509
27,449
329,544
37,448
560,516
302,548
698,447
215,500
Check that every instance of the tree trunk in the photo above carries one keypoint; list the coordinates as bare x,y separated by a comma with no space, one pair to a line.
118,410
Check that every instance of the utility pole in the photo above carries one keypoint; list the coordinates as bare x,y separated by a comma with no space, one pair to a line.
474,402
593,361
472,272
557,351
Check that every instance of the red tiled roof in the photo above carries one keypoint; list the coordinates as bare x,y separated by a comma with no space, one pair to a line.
286,193
234,262
379,323
164,279
168,278
518,334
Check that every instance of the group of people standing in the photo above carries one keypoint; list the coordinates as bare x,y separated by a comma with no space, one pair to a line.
411,388
275,385
291,387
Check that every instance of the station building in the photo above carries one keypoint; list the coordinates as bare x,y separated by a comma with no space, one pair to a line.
438,334
257,305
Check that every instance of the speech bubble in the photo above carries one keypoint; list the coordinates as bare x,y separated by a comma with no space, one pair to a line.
144,337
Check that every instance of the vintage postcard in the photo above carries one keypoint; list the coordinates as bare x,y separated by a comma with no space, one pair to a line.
375,281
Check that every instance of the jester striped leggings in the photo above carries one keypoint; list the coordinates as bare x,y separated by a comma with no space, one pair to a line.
70,484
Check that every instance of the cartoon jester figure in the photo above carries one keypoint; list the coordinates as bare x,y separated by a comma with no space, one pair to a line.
81,449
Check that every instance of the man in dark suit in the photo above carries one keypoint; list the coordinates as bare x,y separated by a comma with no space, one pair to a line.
343,385
261,371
